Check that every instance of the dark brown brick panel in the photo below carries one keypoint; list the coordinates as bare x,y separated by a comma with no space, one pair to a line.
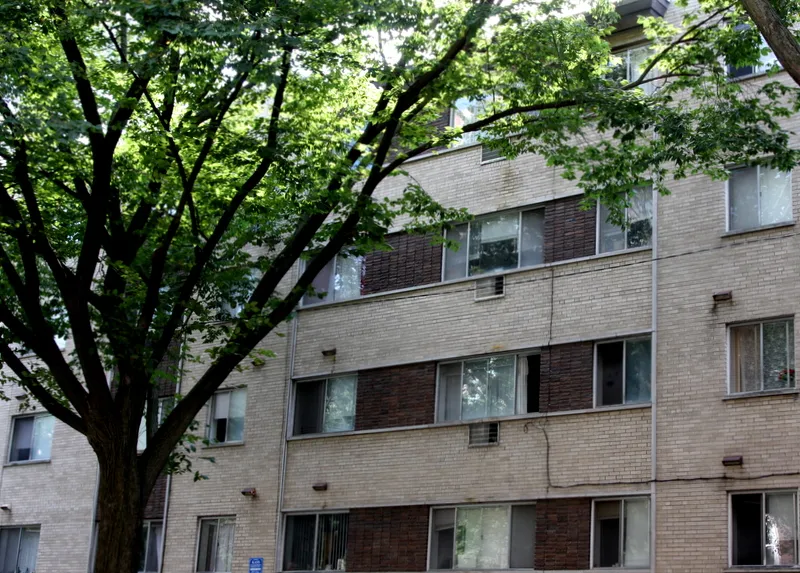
566,377
388,539
413,261
154,508
396,396
563,533
569,232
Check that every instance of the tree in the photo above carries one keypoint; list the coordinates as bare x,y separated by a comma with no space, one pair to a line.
775,23
163,159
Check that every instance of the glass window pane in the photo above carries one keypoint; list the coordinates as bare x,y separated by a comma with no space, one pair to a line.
637,56
143,548
141,440
22,440
636,548
609,373
321,285
153,548
640,218
474,389
482,538
493,244
532,248
340,404
455,262
501,385
347,282
42,437
28,549
606,534
746,529
523,536
449,392
746,358
776,196
637,371
208,540
224,560
776,355
332,542
308,408
743,199
299,543
9,541
443,538
236,412
612,237
781,529
222,401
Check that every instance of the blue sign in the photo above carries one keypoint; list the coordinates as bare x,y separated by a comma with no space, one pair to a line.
256,565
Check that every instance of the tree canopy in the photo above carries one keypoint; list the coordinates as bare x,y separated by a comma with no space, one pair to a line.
163,160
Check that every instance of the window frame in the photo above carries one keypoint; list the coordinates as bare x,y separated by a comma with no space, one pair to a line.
149,523
625,229
730,355
161,401
316,515
291,426
595,369
21,528
758,169
763,492
516,355
217,518
625,53
210,419
455,508
468,244
593,535
11,439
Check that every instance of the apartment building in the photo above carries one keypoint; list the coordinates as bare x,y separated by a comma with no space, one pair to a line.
559,394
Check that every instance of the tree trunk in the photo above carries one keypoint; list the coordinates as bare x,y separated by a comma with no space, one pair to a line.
119,505
779,37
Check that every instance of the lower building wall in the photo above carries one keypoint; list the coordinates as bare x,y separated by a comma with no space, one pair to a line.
388,539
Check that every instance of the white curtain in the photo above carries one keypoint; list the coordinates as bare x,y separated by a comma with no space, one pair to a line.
746,358
776,196
42,437
236,410
636,548
781,530
743,199
482,538
347,281
224,546
340,400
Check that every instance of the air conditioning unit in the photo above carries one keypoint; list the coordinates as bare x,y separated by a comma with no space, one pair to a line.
492,287
484,434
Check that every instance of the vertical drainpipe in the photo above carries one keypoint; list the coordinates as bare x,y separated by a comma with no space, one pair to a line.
164,516
653,384
287,394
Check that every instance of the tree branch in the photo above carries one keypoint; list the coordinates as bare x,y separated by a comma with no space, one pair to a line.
777,34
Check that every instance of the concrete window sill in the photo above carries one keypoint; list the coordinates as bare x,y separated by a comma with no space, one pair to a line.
26,463
224,445
736,233
742,395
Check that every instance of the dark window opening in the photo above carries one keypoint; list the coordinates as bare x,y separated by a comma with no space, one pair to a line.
609,373
533,381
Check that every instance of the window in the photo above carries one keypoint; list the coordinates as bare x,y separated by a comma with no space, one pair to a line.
483,537
488,387
466,111
766,59
758,196
496,243
227,416
323,406
316,542
622,372
31,438
638,230
631,65
764,528
18,549
165,406
215,551
339,279
762,356
622,533
150,552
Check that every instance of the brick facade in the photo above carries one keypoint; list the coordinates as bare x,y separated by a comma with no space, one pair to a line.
388,539
398,396
569,231
567,377
413,261
154,508
563,534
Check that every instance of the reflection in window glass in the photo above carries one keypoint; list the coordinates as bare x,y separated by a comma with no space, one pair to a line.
758,196
638,231
762,356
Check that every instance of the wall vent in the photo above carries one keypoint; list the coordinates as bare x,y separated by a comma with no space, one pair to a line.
484,434
491,287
